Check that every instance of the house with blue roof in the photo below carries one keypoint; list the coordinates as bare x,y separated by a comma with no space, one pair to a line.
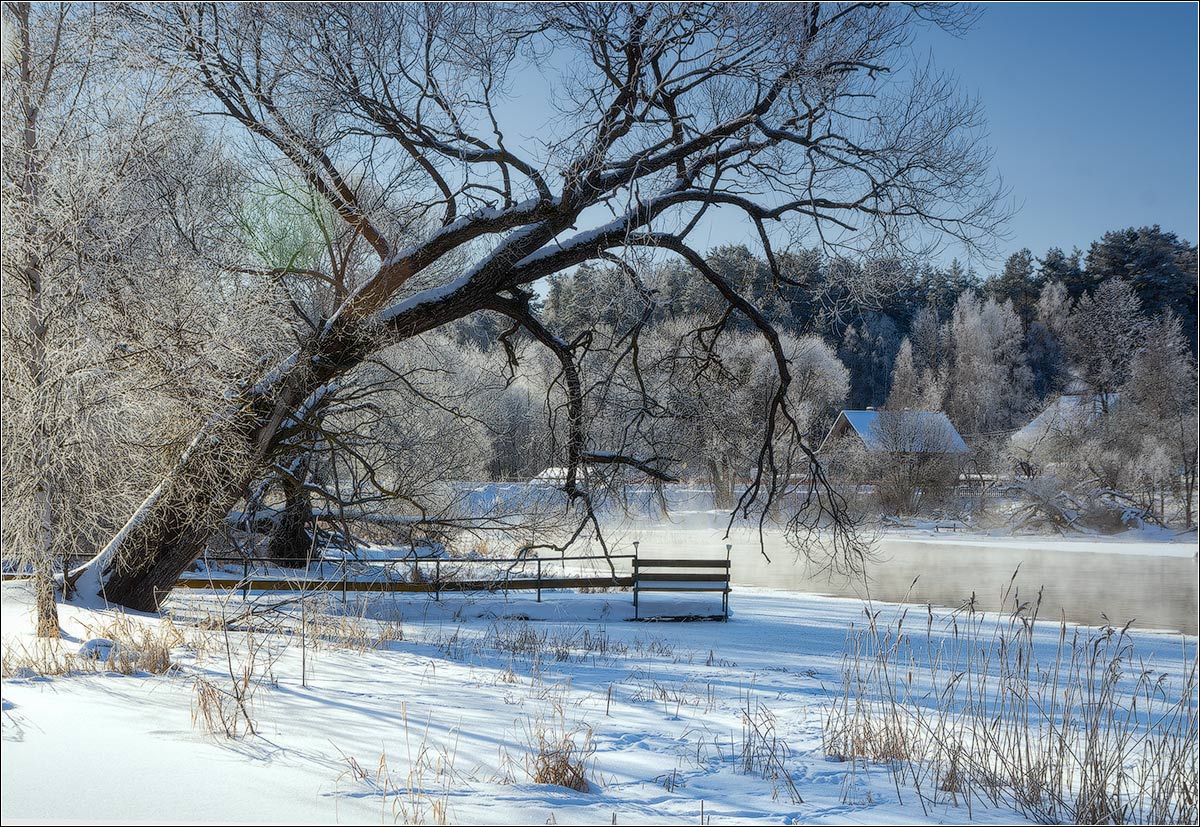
897,432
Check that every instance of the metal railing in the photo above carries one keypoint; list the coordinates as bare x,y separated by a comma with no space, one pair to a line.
420,582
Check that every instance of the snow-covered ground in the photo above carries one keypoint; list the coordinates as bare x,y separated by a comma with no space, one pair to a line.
443,718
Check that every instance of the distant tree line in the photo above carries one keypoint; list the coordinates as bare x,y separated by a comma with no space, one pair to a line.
868,311
992,352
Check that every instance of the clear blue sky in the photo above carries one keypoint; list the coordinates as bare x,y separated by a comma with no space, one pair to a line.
1092,113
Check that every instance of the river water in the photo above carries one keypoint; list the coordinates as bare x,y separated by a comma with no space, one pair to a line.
1154,585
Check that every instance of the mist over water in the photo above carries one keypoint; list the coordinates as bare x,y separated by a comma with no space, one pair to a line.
1092,581
1156,592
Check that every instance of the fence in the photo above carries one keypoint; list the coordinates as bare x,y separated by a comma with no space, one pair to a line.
429,575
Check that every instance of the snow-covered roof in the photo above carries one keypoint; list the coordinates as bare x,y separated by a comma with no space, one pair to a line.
559,473
917,432
1068,413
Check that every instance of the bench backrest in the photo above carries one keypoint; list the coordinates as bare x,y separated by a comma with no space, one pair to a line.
680,571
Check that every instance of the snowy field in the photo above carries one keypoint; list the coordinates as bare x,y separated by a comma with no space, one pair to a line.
438,721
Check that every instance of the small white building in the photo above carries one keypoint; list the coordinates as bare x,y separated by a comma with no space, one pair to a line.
1065,416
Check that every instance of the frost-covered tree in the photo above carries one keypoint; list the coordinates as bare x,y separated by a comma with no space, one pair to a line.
1159,402
904,392
1103,334
118,334
715,393
1054,308
988,380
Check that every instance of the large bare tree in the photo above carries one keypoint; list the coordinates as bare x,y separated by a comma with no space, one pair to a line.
792,117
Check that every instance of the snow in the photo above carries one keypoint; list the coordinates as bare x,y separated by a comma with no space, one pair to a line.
275,375
481,215
431,295
441,292
662,699
618,226
98,648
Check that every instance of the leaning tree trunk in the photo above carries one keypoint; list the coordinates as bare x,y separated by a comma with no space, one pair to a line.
171,528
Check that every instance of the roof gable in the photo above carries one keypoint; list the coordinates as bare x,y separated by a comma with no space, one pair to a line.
916,432
1069,413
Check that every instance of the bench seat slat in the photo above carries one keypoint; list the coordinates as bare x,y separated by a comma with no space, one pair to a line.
672,577
681,564
689,588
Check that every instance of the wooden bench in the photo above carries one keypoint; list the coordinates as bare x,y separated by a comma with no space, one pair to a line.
681,575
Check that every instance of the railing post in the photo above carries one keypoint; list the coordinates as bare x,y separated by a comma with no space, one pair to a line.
437,580
635,579
539,580
245,577
728,579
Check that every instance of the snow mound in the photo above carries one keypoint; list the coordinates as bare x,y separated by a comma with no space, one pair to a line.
102,649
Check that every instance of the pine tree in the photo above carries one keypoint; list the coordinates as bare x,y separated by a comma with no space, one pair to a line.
1158,265
905,379
1065,269
1104,332
1019,282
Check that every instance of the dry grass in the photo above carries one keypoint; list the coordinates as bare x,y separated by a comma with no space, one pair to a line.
422,796
559,755
220,711
351,630
518,640
224,706
1087,734
763,752
41,658
130,647
140,646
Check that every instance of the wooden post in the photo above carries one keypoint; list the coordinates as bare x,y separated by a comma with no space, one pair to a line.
437,580
539,580
245,577
729,580
635,579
